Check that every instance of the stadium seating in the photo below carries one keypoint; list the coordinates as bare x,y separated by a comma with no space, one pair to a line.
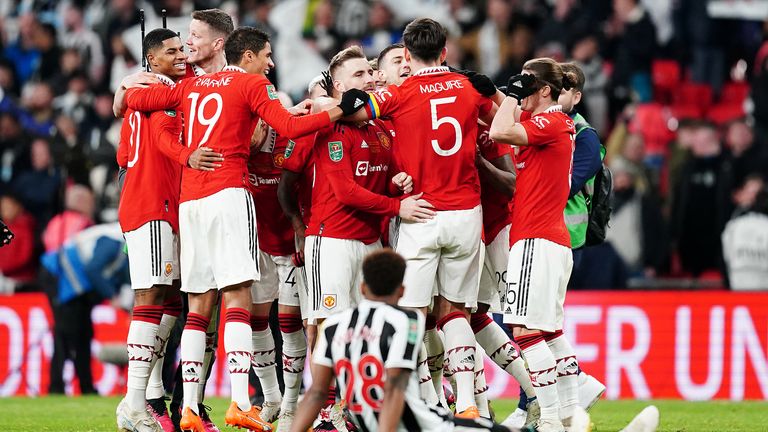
665,75
724,112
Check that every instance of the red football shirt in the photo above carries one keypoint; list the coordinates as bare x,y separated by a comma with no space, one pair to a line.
299,158
496,205
272,225
221,111
352,172
544,178
435,116
151,151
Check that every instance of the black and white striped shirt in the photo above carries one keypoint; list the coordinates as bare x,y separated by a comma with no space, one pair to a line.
360,344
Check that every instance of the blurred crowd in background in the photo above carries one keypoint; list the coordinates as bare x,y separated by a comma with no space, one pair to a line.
677,90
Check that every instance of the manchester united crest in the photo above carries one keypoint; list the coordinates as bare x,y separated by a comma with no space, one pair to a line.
329,301
278,159
385,141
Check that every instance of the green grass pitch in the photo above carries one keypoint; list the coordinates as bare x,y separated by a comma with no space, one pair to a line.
92,413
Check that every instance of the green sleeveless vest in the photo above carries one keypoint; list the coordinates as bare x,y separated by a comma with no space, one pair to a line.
577,207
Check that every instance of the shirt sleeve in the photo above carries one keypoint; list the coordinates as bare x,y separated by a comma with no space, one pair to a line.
337,165
123,147
586,159
166,139
263,99
540,130
322,354
406,340
155,97
383,102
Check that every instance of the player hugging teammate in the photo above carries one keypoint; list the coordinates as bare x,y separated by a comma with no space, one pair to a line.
265,203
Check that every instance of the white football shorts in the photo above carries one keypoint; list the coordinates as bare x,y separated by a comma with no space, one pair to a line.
334,273
493,279
537,277
279,279
443,256
153,254
219,247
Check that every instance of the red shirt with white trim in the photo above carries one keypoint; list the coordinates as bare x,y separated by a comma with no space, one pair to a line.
151,151
435,114
352,173
496,205
221,111
544,178
272,225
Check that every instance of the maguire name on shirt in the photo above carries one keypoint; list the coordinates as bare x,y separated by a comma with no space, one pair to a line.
441,86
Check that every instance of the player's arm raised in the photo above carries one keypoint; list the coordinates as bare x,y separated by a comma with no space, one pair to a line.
156,97
504,127
135,80
280,119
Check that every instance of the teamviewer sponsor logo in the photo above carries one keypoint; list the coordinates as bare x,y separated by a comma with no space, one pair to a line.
362,168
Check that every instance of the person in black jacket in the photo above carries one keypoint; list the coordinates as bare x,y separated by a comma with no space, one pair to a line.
632,42
701,202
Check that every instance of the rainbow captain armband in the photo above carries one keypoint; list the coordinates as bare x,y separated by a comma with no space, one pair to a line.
373,107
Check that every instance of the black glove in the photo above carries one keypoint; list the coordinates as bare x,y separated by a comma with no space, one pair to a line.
352,101
327,83
5,234
521,86
482,84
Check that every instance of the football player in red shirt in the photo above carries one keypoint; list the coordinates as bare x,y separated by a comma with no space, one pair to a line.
216,215
208,30
353,163
438,111
497,184
352,174
150,149
540,258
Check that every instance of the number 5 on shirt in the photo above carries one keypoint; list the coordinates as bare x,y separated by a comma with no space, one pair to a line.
436,122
